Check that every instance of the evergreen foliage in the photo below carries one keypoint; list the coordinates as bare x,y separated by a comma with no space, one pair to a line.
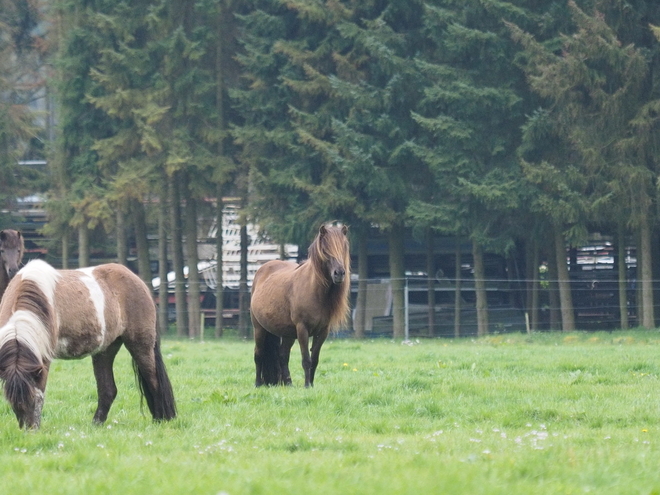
23,54
498,121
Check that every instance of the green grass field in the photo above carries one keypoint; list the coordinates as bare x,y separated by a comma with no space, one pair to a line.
507,414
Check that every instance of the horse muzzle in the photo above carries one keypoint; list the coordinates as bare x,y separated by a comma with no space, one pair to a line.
338,276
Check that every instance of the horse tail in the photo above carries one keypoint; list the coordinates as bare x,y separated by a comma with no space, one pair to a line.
160,399
20,370
271,372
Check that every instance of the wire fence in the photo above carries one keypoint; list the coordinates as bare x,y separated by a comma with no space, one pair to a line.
513,305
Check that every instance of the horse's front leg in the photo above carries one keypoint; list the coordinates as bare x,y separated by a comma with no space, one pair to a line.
317,342
303,341
105,380
39,396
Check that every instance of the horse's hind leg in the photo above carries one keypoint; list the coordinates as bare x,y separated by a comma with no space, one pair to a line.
153,380
259,344
266,356
105,380
285,353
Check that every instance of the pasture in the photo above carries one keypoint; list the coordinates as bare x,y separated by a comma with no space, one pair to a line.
505,414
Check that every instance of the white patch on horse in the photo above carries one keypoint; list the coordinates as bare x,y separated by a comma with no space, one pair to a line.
25,327
62,347
97,297
42,274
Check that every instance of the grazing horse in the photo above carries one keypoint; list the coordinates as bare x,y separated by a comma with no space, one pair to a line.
11,254
48,313
297,301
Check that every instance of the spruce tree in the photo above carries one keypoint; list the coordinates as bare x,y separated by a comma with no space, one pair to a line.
163,98
583,151
470,115
78,200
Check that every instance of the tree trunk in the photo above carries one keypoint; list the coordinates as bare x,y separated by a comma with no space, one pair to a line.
177,258
645,269
430,281
65,249
457,288
141,241
639,300
83,245
219,289
122,238
622,276
163,290
359,324
397,276
244,293
194,307
564,283
532,262
534,276
553,289
222,125
480,288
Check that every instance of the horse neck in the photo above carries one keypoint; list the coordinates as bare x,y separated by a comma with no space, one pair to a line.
319,281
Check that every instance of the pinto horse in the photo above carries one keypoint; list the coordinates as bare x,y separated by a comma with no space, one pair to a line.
297,301
11,254
48,313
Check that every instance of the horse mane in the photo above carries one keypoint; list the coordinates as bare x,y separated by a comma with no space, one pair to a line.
331,242
26,340
32,314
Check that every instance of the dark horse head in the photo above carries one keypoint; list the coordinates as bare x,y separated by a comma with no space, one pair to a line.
11,251
23,372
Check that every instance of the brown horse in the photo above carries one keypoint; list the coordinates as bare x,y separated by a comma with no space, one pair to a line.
297,301
11,254
47,314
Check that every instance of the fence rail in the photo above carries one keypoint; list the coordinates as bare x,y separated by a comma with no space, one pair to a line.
595,305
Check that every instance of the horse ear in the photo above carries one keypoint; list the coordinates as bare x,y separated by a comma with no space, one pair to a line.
19,234
3,235
323,230
344,229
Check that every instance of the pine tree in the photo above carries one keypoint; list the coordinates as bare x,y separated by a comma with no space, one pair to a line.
470,114
163,97
582,152
20,81
79,199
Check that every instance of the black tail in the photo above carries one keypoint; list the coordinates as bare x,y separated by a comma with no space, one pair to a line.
160,401
271,372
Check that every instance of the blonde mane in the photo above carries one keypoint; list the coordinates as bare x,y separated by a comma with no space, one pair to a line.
31,305
331,242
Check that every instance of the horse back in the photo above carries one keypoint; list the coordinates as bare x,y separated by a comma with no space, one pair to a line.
134,304
97,305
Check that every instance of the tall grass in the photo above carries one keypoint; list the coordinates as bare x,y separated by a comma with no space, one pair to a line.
510,414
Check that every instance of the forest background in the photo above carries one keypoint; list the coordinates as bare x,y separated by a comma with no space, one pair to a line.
517,125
